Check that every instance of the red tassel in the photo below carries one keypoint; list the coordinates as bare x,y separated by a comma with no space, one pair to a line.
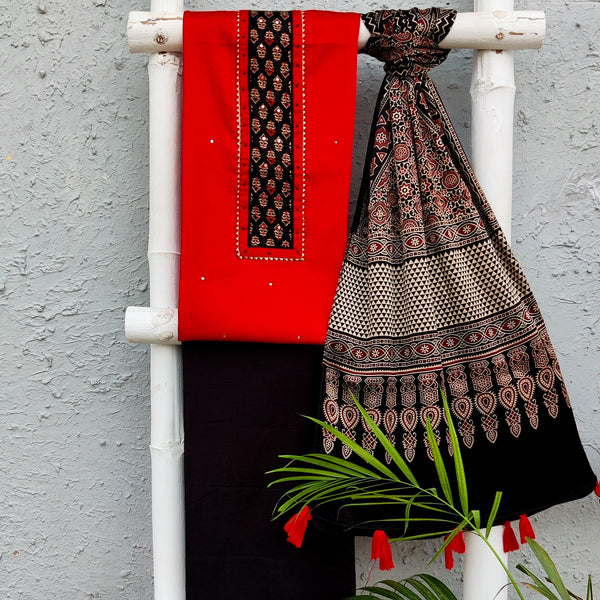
381,549
597,489
509,539
449,555
525,529
458,543
296,527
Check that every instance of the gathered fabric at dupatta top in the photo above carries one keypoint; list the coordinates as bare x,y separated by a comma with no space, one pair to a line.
430,296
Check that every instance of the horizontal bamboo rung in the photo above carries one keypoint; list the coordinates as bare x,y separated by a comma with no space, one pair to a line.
496,30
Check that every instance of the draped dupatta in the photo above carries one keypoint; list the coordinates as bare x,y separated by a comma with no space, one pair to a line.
431,297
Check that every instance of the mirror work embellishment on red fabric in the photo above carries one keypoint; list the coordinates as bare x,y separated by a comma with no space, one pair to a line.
271,136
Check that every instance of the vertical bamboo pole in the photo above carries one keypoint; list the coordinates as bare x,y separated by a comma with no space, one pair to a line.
166,430
483,577
492,107
492,97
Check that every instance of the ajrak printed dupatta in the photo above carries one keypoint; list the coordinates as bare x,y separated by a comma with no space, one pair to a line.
430,296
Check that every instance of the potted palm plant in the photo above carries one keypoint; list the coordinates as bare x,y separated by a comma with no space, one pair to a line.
317,479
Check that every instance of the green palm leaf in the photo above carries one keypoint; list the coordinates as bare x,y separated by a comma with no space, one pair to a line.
461,478
425,587
390,448
357,449
537,585
439,464
381,592
404,592
332,462
422,589
550,568
442,591
493,513
315,493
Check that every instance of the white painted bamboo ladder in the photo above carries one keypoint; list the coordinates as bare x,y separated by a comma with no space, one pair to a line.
495,31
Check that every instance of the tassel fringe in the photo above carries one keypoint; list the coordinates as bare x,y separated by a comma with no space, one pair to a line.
381,549
509,539
449,557
296,527
525,529
456,545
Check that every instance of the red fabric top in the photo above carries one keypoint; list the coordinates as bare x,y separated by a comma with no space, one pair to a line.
232,285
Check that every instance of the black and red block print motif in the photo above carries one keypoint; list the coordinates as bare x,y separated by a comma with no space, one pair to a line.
270,214
430,294
431,298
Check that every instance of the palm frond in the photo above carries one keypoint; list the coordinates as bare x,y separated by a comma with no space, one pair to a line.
440,467
493,513
418,587
461,479
357,449
363,480
550,569
383,440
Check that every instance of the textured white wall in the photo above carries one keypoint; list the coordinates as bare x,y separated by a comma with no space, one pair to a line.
74,407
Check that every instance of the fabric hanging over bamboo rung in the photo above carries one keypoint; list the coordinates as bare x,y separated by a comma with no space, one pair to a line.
267,148
431,297
268,115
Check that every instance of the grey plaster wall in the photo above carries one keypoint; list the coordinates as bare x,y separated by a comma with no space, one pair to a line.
74,406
